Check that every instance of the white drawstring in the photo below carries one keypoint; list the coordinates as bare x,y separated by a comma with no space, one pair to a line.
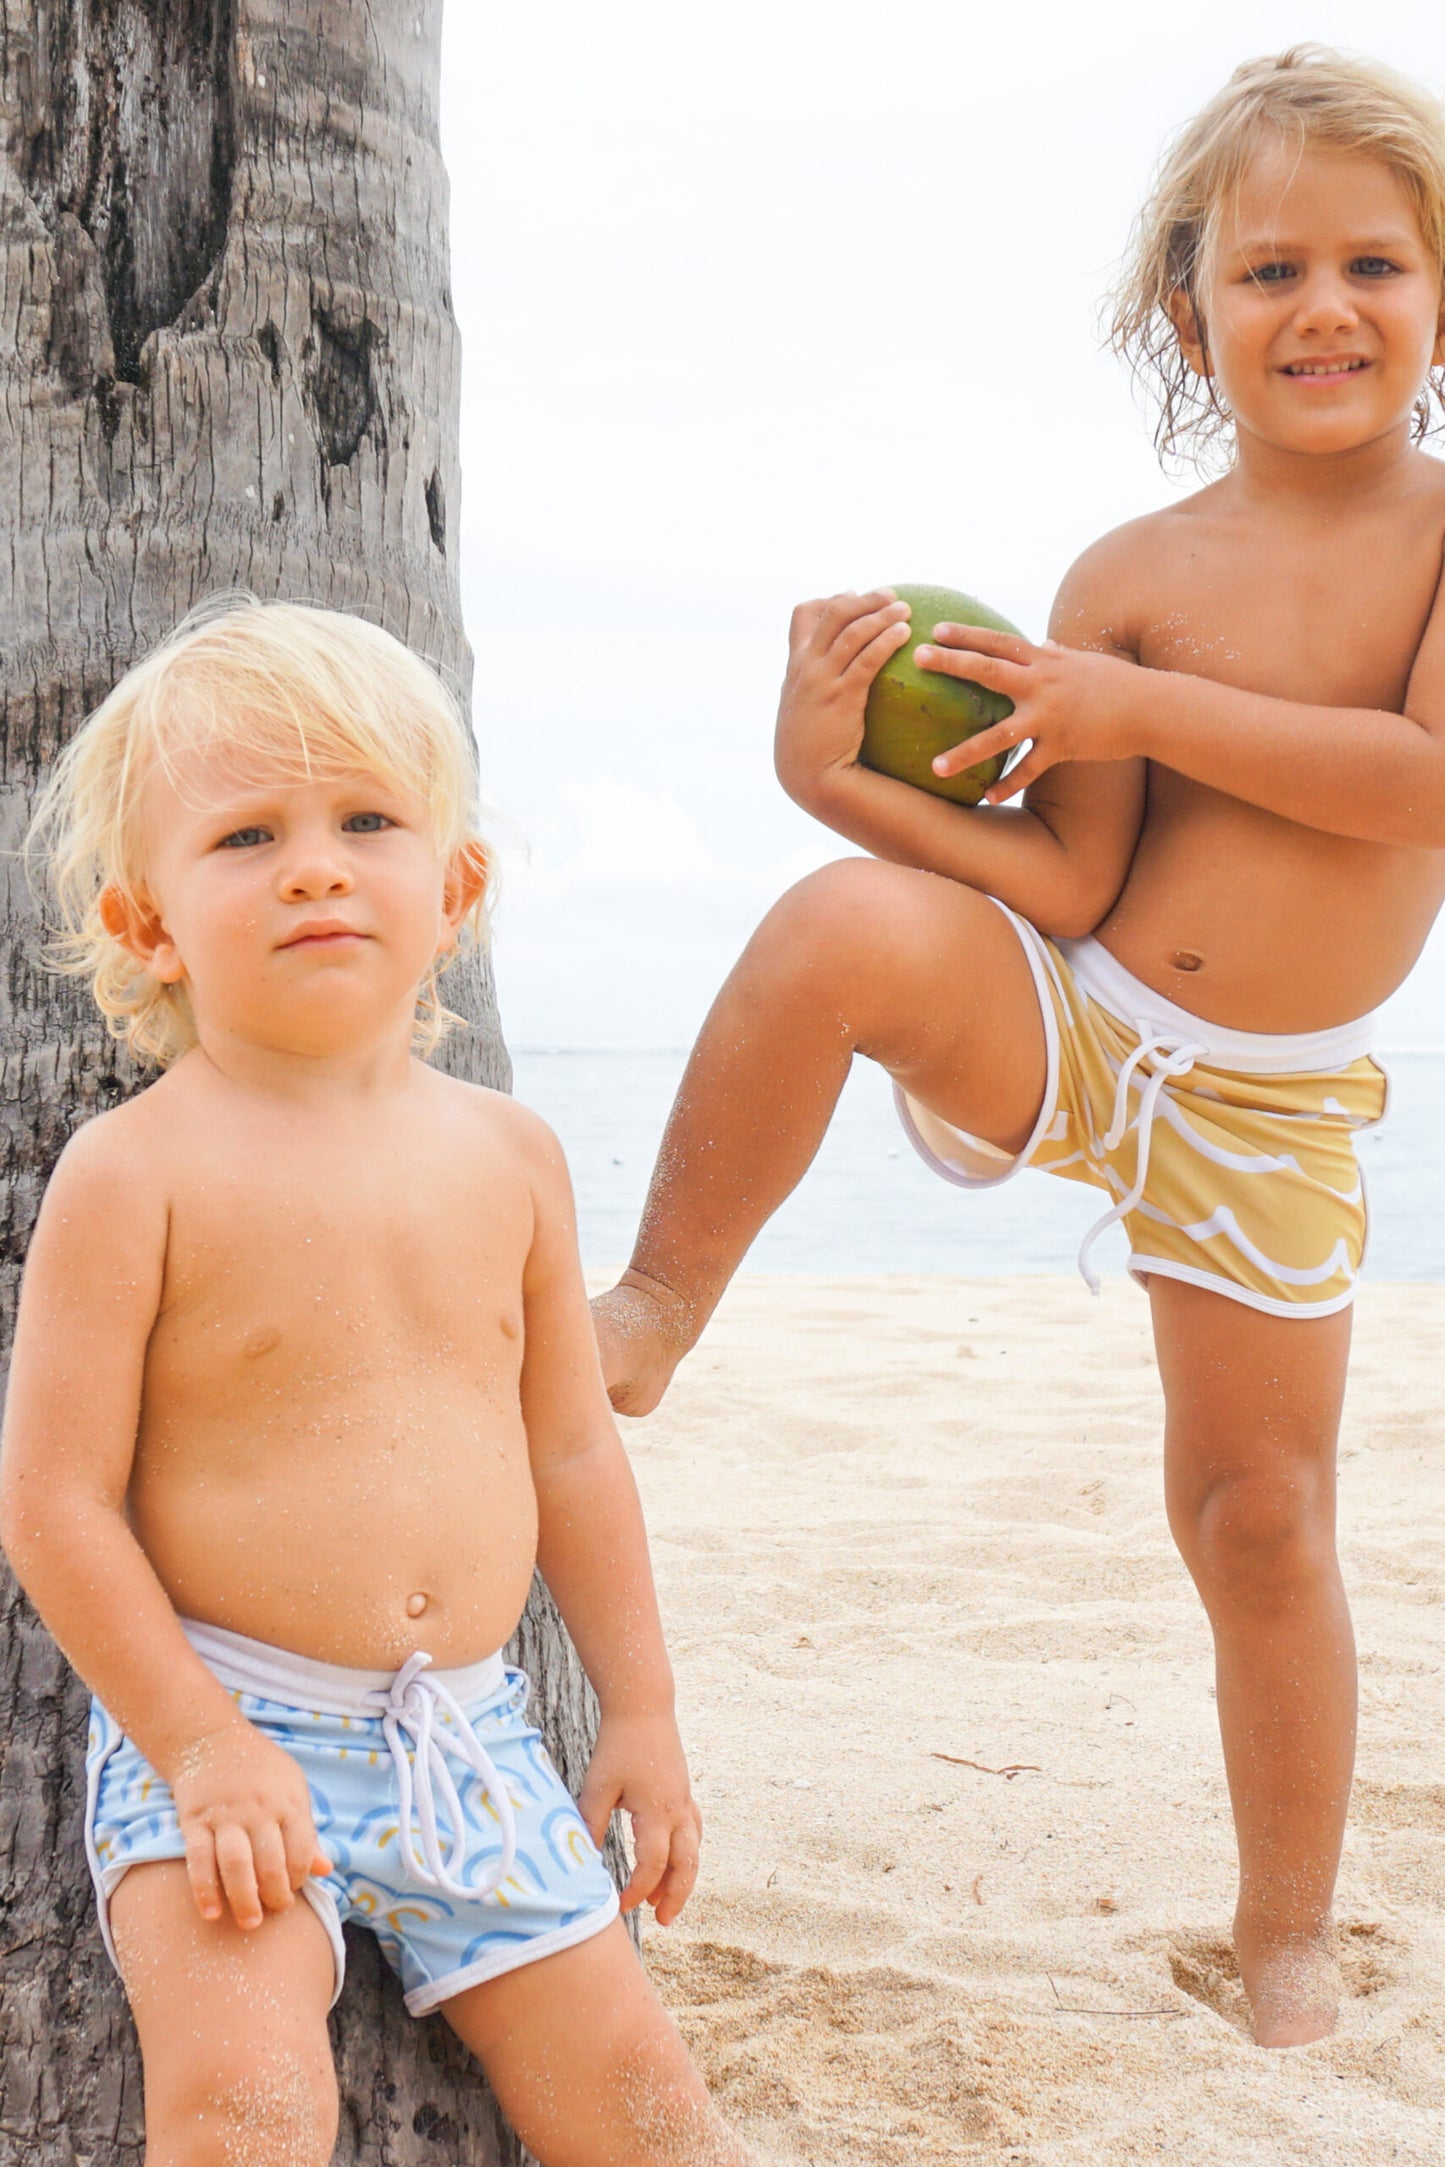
410,1704
1168,1056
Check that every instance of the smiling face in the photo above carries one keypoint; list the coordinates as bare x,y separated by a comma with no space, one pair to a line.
1320,301
300,916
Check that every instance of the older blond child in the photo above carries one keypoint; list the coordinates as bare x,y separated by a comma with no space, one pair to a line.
304,1384
1157,973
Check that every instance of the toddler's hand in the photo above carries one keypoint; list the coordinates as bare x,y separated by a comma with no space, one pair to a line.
1074,705
835,650
245,1814
638,1765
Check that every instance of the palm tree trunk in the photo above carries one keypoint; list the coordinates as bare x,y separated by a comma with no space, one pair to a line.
227,359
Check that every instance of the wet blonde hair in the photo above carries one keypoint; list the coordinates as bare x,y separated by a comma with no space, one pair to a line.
280,688
1307,96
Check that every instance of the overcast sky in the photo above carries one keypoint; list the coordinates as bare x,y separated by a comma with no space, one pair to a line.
759,302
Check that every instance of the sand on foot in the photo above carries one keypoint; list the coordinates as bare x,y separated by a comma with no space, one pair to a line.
968,1866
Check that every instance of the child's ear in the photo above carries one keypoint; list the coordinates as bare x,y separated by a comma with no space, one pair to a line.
1189,330
135,923
466,883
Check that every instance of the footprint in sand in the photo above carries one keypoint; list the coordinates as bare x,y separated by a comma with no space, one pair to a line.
1365,1950
874,2067
1205,1968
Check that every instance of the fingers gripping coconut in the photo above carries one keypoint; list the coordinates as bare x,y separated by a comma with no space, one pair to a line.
874,689
914,713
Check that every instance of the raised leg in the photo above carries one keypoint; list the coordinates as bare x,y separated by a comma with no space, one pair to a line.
1253,1408
588,2066
920,974
232,2026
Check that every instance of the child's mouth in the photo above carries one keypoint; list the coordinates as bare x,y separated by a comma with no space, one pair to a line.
1325,372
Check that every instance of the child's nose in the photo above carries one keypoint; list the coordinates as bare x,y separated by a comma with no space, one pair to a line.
1327,303
312,873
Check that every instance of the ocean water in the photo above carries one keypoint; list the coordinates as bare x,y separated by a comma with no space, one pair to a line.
869,1204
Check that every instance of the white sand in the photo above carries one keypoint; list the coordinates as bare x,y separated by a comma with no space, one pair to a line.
898,1519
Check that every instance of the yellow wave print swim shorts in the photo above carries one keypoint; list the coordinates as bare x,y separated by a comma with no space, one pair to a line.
1229,1156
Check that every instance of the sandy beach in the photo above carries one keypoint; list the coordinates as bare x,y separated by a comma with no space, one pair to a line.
968,1865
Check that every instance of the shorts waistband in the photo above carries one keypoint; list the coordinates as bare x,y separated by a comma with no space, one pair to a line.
1257,1053
299,1681
422,1713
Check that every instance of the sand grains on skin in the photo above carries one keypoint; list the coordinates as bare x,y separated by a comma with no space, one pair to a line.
946,1690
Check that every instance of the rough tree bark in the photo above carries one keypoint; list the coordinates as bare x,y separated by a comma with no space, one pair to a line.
227,359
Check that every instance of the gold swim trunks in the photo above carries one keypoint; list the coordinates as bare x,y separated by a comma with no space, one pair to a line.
1229,1155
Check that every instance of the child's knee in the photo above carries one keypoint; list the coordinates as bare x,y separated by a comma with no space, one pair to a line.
1258,1534
277,2109
855,916
828,911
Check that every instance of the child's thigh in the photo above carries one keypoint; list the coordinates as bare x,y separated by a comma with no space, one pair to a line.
587,2064
935,985
232,2026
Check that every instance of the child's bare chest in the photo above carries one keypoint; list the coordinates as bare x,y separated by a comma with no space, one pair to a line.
1308,928
1331,615
360,1284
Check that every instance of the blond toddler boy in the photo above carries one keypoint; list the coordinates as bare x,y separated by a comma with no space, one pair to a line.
304,1386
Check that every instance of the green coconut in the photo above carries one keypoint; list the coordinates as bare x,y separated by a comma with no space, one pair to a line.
913,715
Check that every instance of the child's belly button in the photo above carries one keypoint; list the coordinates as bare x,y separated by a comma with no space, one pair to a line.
1187,959
416,1604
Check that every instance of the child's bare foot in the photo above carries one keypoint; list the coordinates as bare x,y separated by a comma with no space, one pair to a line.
643,1331
1293,1989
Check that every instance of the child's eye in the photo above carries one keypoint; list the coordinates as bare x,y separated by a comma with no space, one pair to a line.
244,838
1373,266
367,823
1271,274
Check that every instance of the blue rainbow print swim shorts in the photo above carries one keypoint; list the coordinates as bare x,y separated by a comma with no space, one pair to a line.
451,1835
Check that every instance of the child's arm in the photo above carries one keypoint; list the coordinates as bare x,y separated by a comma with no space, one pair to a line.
92,1288
1361,772
1060,859
592,1551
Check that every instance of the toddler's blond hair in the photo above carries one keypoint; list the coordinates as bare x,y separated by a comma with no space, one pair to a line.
281,687
1307,96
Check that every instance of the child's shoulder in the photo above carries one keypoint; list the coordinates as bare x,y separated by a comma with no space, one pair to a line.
502,1119
1111,591
143,1128
514,1148
1135,545
113,1166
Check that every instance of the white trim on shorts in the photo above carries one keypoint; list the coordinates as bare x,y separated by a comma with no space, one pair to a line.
1246,1053
423,1999
965,1171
